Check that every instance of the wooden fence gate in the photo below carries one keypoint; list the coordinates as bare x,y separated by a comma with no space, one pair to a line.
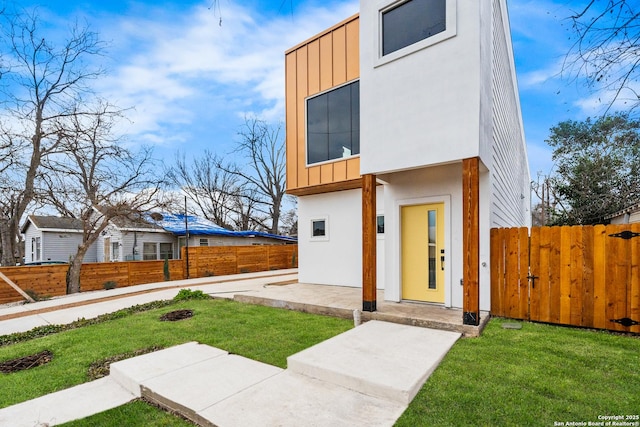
581,275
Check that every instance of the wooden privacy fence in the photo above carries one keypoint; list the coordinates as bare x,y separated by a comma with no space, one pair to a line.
585,276
221,260
50,280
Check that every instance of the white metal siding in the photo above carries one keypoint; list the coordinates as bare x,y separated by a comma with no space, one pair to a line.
510,201
127,239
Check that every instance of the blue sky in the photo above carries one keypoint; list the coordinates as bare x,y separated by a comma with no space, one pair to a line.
192,70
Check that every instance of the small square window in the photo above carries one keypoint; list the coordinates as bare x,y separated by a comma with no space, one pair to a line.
318,228
204,242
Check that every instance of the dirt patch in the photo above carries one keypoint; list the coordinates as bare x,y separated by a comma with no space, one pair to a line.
26,362
172,316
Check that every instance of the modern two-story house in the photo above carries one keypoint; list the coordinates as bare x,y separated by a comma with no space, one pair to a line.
405,146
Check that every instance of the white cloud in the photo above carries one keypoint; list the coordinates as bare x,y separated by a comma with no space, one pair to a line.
534,78
171,65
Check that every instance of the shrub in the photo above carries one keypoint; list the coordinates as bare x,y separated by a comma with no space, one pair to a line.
36,297
188,294
110,284
165,270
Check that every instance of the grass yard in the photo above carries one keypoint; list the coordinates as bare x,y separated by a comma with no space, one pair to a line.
136,413
261,333
535,376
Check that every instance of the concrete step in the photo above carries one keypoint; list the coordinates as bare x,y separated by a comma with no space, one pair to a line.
133,373
198,388
381,359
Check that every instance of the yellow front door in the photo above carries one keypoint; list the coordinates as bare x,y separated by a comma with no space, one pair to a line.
423,253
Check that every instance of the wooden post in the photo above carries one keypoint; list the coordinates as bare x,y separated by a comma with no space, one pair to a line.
369,243
16,288
470,241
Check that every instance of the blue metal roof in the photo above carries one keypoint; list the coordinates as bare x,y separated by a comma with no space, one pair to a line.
175,224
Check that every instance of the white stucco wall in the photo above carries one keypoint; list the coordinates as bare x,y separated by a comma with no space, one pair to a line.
336,260
422,108
433,185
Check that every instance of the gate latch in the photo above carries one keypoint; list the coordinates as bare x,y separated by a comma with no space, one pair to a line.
532,278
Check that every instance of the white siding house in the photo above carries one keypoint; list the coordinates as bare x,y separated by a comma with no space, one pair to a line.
629,215
160,236
435,125
51,238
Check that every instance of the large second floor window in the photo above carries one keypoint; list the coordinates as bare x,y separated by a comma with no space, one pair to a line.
411,22
333,124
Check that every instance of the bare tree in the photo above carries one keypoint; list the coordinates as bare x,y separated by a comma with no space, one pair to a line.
93,177
247,197
606,50
264,173
246,216
290,222
550,206
42,84
212,190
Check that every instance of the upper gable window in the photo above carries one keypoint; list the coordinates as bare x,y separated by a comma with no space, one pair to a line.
408,26
333,124
411,22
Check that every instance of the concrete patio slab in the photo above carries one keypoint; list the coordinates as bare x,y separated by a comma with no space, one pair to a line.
132,373
67,405
382,359
294,400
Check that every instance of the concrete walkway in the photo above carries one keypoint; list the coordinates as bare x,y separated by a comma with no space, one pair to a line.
366,376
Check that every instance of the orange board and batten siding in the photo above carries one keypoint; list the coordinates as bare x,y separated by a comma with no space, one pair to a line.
327,60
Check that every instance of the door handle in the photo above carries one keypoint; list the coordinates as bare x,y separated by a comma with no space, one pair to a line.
442,259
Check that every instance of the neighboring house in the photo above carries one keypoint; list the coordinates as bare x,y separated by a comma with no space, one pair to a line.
203,232
628,215
160,236
155,237
52,238
129,240
405,146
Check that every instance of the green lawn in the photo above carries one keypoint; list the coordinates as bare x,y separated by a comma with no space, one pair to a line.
261,333
136,413
535,376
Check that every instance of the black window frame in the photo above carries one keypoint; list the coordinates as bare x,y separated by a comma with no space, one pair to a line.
413,34
333,133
